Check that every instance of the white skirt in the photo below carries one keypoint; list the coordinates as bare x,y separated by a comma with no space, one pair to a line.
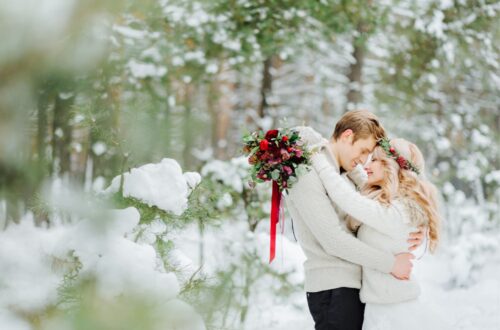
408,315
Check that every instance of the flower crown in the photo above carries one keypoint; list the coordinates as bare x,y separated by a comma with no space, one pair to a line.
404,163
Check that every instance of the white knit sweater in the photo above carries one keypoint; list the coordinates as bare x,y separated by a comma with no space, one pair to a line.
333,253
384,227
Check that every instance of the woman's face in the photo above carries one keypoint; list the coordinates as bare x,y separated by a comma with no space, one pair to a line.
375,171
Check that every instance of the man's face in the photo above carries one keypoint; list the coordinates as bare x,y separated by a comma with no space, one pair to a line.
355,153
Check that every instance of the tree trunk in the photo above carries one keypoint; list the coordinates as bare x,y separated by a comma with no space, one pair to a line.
212,97
354,95
355,76
187,128
221,106
61,133
224,118
266,86
42,128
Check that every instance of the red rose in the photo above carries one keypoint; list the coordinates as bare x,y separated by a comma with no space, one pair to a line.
264,145
290,149
272,133
392,150
284,138
402,162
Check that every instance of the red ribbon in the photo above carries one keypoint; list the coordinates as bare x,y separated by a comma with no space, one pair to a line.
275,215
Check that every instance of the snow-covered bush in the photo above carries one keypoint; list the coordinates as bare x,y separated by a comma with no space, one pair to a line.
59,277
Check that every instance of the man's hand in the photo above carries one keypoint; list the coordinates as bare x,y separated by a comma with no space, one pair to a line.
402,266
416,238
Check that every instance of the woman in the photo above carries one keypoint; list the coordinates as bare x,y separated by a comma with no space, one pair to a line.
395,199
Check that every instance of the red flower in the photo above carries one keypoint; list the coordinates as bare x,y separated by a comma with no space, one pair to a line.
272,133
264,145
284,138
392,150
290,149
402,162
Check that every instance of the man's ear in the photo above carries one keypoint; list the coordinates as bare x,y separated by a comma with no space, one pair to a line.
347,133
347,136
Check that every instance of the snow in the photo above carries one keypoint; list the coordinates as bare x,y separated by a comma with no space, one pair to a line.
32,275
141,70
192,179
28,282
152,53
231,174
225,201
99,148
129,32
9,320
493,176
162,184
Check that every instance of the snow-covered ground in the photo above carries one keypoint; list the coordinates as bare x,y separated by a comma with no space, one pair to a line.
468,308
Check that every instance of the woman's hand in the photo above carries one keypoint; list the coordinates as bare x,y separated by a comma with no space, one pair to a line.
402,266
416,238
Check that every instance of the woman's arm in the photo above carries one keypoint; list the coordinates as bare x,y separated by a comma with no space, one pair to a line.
386,219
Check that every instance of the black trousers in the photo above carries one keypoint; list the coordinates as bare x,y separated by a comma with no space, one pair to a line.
336,309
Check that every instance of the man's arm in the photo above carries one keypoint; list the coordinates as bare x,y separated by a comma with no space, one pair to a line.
311,202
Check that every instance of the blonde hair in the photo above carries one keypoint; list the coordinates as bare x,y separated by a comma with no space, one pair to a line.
363,124
401,183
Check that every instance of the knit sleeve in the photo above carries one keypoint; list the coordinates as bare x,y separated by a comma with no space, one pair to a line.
389,219
311,202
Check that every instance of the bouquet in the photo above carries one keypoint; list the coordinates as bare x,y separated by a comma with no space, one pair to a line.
278,156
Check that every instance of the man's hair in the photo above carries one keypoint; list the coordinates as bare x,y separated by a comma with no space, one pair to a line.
363,124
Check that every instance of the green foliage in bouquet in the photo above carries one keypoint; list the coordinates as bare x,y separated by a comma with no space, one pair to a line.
278,155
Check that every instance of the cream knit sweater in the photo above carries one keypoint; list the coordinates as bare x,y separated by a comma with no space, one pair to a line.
333,254
384,227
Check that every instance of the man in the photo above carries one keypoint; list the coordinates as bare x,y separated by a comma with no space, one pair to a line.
334,255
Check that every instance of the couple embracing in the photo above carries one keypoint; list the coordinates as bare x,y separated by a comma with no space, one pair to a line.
358,226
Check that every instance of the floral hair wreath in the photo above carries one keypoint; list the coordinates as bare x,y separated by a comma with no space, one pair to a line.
404,163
